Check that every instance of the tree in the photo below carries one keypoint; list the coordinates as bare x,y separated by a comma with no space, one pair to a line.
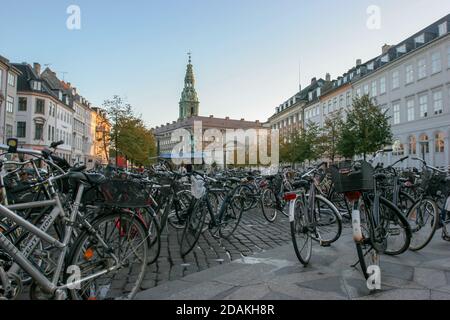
366,129
130,137
331,132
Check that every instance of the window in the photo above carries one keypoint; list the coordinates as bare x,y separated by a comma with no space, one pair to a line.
422,68
11,79
9,131
21,129
398,148
37,86
448,57
436,65
395,80
40,106
409,74
437,102
10,104
349,99
39,131
385,58
396,108
1,78
423,104
420,39
411,109
442,29
439,142
22,104
358,92
366,89
401,49
53,134
341,101
424,144
412,145
374,89
383,85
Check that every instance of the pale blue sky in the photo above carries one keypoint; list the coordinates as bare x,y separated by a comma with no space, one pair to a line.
245,52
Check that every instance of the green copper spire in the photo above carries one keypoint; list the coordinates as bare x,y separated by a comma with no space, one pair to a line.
189,101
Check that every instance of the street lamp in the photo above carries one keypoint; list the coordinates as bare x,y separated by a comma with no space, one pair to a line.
423,144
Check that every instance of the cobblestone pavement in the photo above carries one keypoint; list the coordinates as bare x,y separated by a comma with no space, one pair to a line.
253,235
277,275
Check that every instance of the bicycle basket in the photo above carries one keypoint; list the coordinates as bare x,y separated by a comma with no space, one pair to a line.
351,180
197,187
125,194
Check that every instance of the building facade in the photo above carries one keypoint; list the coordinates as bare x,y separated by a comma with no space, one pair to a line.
8,98
410,81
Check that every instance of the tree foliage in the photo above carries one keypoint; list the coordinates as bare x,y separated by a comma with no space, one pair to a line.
129,135
366,129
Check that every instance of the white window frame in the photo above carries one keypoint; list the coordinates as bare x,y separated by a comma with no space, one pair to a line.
409,73
422,68
395,79
442,29
10,104
411,109
436,62
11,79
396,110
438,104
423,105
374,88
382,85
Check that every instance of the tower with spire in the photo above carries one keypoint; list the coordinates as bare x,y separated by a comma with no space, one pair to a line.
189,100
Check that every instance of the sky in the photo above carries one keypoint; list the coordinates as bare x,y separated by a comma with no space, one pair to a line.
248,55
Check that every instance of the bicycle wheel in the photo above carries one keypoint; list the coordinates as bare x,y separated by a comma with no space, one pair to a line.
396,228
194,226
329,222
245,193
405,202
124,238
148,217
269,205
300,234
231,215
177,216
423,219
367,254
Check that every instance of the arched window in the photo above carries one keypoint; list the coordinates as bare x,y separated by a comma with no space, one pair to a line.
412,145
424,144
439,143
398,148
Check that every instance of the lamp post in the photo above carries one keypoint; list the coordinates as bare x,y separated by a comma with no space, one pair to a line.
422,146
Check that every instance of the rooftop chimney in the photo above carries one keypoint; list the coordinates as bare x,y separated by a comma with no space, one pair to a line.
313,80
37,68
358,62
327,77
242,119
211,116
385,48
227,118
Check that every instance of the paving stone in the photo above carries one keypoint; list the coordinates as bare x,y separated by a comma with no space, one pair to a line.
430,278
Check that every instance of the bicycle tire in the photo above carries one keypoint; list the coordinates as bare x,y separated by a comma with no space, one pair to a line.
415,219
335,219
300,231
123,225
194,226
268,206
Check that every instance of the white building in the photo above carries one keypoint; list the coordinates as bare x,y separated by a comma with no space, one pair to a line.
8,98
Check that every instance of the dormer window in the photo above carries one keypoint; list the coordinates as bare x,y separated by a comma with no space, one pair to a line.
60,96
36,85
385,58
319,91
401,49
442,29
345,79
420,39
351,76
358,71
370,66
310,95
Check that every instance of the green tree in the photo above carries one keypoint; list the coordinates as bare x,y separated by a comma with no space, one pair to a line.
366,129
129,135
331,132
